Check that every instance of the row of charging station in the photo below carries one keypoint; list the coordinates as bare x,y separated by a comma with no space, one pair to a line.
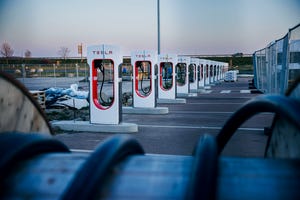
211,72
154,77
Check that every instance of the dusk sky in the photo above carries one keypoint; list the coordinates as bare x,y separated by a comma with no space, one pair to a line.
187,26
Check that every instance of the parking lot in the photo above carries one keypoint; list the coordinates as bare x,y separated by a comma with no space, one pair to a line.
177,132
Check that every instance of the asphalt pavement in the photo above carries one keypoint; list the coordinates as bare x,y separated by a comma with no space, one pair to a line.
177,133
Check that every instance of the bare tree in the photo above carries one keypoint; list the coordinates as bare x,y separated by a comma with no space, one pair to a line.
64,52
6,51
27,53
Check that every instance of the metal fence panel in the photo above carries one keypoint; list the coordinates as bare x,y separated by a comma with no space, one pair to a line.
294,55
277,66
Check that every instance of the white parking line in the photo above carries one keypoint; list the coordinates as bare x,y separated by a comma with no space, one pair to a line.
225,91
205,92
199,112
198,127
245,91
212,103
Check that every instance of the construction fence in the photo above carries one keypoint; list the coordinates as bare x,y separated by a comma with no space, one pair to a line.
53,70
277,66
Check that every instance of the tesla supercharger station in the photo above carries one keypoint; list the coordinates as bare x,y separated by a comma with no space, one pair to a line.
193,74
211,72
219,71
144,79
226,68
167,90
104,94
223,71
167,76
216,72
207,73
105,105
201,73
182,79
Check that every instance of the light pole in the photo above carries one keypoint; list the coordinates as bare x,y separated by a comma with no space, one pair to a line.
158,28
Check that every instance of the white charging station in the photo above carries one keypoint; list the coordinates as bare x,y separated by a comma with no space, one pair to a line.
167,79
217,76
207,73
210,72
226,68
213,72
144,67
222,71
104,61
144,78
219,71
166,76
193,74
182,79
201,73
105,92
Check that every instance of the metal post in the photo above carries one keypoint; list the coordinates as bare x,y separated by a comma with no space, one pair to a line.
158,28
76,65
23,73
54,66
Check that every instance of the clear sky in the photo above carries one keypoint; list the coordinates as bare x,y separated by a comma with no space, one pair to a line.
187,26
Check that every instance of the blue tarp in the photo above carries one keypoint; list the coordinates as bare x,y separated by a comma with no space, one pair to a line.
72,92
54,94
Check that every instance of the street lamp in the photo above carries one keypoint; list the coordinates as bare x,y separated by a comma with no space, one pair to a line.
158,28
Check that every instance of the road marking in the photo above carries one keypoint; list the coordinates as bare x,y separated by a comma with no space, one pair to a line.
197,127
205,92
225,91
199,112
221,103
245,91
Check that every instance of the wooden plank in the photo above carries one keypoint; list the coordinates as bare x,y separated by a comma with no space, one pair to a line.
40,97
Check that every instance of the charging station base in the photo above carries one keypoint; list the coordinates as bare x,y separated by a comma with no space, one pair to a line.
171,101
146,111
86,126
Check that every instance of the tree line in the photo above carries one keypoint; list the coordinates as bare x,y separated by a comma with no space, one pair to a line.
8,57
7,53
